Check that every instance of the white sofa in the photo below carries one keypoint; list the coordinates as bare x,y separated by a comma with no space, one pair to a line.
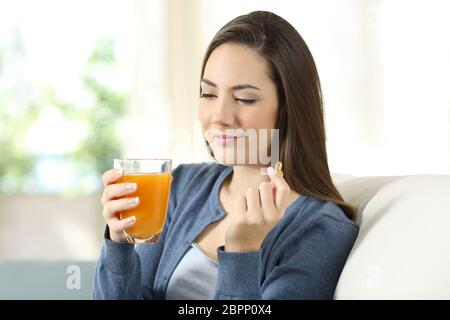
403,248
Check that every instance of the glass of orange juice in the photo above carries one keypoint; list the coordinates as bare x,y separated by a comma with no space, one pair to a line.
153,178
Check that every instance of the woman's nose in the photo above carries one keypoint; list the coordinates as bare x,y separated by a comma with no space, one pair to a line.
223,112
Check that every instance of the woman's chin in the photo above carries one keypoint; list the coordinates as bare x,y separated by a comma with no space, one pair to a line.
224,160
229,161
226,156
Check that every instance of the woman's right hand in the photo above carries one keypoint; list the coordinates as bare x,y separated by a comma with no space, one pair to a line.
112,206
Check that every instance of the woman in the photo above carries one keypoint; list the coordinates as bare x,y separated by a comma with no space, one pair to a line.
232,232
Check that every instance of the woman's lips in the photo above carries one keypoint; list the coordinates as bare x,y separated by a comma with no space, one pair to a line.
223,139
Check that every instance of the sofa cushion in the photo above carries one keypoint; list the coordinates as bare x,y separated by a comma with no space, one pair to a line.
403,248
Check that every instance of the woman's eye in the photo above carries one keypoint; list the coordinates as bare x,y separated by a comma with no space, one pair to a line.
207,95
246,101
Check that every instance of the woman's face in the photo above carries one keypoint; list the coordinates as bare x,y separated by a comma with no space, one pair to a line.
237,94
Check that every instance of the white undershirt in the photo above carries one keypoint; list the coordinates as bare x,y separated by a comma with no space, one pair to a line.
194,277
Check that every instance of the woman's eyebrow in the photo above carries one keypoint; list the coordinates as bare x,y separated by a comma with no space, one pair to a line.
244,86
233,88
209,82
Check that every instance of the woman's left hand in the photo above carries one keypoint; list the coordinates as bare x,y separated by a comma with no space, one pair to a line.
257,213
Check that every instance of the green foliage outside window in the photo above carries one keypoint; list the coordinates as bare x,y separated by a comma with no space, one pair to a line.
95,150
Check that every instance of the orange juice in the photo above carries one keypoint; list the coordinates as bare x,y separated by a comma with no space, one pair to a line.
153,190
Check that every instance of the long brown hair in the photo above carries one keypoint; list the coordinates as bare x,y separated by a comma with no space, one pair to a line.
300,115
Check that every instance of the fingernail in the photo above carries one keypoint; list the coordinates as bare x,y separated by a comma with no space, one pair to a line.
271,171
131,220
130,186
133,200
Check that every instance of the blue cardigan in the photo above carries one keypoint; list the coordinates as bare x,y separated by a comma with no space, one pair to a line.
301,257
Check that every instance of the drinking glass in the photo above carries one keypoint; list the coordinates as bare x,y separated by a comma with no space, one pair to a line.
153,178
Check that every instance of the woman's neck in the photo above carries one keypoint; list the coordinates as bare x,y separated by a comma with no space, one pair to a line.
244,177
